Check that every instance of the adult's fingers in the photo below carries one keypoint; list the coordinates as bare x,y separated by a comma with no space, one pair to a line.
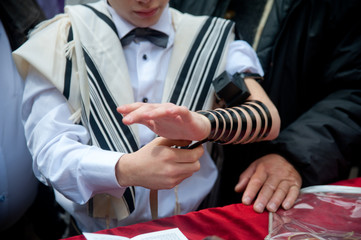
244,178
278,196
254,185
267,190
292,195
275,180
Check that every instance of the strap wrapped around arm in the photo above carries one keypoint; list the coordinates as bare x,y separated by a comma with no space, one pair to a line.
249,122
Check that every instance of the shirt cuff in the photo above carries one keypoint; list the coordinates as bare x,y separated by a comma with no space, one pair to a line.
97,173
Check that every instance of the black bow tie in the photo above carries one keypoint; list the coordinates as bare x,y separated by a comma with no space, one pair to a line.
157,38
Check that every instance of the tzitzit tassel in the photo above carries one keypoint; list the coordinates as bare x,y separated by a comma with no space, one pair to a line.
76,116
177,209
69,49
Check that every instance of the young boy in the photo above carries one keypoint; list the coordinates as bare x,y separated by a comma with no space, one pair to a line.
81,65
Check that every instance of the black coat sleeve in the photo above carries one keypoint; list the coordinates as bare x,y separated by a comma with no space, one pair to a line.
313,75
325,141
18,18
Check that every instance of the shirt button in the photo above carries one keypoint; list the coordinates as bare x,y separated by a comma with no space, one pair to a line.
145,100
145,57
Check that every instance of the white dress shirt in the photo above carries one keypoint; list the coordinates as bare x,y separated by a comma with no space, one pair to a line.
78,171
18,185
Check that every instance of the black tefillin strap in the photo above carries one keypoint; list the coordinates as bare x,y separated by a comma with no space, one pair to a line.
230,125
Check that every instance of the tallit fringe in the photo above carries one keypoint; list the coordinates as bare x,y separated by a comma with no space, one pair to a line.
177,209
76,116
69,48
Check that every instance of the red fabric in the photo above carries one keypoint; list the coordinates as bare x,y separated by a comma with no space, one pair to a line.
233,222
355,182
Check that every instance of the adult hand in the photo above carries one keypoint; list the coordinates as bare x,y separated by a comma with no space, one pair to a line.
167,120
275,180
158,165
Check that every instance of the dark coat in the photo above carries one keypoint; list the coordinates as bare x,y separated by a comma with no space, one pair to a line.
18,17
313,75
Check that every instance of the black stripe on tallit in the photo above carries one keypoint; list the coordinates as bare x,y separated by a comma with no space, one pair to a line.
112,106
213,68
104,17
68,67
204,72
183,75
195,53
129,198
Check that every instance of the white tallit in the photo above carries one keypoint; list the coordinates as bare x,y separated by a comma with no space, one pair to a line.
187,82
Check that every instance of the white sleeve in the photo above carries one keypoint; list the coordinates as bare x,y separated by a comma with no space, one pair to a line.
242,57
61,156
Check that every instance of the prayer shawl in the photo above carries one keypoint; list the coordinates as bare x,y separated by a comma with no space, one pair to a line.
91,71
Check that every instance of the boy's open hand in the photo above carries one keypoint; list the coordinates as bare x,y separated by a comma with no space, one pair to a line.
167,120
